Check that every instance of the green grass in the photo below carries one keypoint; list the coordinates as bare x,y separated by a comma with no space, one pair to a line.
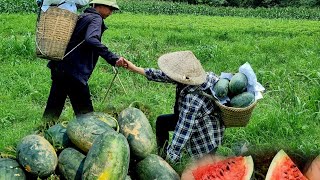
285,55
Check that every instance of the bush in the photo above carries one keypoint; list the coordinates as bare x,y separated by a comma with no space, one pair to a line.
9,6
165,7
254,3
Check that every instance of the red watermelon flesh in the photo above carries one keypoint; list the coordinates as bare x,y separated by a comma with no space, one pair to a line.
283,168
235,168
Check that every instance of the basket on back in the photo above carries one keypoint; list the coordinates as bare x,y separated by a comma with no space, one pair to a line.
232,116
235,117
53,33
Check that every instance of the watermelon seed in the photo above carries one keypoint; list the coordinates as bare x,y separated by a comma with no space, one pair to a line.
228,168
221,173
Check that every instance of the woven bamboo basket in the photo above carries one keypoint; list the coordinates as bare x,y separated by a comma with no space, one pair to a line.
53,32
235,117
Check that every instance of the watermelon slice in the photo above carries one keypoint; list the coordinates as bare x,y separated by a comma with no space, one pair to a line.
283,168
234,168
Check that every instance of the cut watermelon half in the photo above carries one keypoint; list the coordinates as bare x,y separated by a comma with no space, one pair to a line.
235,168
283,168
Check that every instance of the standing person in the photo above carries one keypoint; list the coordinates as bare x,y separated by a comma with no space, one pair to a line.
70,76
196,127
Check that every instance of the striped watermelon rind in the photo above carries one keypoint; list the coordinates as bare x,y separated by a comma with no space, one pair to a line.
283,167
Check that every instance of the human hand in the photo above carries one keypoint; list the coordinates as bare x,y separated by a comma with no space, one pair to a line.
132,67
129,65
121,62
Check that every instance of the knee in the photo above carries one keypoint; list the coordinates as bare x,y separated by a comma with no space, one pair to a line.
159,122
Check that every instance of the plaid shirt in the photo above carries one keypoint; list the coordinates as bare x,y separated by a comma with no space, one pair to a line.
197,130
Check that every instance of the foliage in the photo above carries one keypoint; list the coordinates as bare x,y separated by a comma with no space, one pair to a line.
9,6
254,3
174,8
160,7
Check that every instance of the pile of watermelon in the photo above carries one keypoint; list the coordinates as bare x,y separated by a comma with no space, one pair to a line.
235,90
98,146
91,146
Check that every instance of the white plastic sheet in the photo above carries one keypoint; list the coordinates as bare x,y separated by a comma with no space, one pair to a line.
69,5
50,2
253,85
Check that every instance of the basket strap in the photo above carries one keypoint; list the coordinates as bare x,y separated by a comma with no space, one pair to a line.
58,4
216,112
78,30
198,91
39,9
73,49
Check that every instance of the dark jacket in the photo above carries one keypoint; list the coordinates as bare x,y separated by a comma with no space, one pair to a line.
81,62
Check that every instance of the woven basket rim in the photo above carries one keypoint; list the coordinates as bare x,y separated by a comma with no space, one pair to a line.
229,114
252,105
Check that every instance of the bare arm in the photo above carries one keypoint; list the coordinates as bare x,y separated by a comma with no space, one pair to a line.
150,73
129,65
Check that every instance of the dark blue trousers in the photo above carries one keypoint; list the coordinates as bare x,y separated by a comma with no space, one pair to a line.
164,124
63,86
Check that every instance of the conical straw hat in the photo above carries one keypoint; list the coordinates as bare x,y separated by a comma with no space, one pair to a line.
183,67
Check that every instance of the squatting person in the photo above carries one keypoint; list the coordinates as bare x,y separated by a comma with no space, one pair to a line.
197,127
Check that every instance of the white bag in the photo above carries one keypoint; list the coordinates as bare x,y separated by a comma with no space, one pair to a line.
50,2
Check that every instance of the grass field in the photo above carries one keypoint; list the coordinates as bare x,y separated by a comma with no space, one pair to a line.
285,55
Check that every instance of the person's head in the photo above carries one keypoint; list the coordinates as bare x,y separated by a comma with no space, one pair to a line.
104,7
183,67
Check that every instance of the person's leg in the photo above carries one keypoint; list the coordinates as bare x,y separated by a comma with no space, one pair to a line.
56,100
80,97
164,124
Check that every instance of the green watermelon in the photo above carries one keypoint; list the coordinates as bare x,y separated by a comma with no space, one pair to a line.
135,126
58,137
108,158
37,155
242,100
11,170
154,167
83,130
107,118
218,168
282,168
238,83
221,88
71,163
